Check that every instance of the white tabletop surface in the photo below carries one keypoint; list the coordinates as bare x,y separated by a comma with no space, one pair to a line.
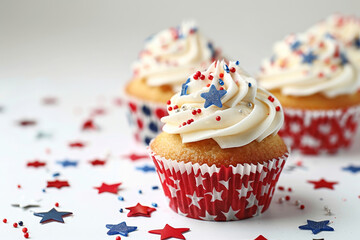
80,53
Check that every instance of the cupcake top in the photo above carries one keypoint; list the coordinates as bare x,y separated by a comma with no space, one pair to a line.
303,65
172,55
223,103
346,29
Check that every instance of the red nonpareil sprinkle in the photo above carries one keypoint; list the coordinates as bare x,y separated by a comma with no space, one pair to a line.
118,238
4,220
290,189
193,112
188,121
281,188
19,186
15,225
221,88
321,45
198,73
277,108
26,235
210,77
202,77
176,107
232,70
208,85
337,52
196,77
192,120
333,67
24,230
221,75
287,198
218,118
321,75
327,61
199,110
170,108
56,204
271,99
302,207
168,102
184,123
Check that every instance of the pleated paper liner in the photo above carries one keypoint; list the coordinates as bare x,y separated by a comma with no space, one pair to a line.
317,132
218,194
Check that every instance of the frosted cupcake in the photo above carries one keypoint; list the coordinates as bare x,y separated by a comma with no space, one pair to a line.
219,157
168,58
318,88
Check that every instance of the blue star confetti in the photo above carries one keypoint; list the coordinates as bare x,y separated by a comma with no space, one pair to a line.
120,228
67,163
52,215
184,88
146,168
317,227
213,97
309,57
352,168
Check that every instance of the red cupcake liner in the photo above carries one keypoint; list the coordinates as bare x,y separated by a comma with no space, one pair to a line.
317,132
144,118
218,194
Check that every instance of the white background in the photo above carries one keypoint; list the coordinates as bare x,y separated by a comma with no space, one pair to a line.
81,52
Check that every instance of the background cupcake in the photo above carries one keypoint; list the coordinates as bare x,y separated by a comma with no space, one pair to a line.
220,157
168,58
318,88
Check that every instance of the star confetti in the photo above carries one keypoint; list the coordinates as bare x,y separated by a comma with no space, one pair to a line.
110,188
67,163
36,164
213,97
89,125
57,184
49,101
120,228
76,144
260,237
316,227
352,168
52,215
146,168
97,162
135,157
170,232
27,123
26,203
140,210
322,183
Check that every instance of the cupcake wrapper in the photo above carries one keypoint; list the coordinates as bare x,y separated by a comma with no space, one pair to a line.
316,132
144,118
218,194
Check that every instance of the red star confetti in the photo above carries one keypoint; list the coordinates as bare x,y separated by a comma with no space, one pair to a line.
57,184
322,183
140,210
27,123
36,164
76,144
97,162
110,188
169,232
118,101
49,101
135,157
98,111
260,237
89,125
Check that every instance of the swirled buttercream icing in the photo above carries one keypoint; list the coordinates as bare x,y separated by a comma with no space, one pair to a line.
172,55
305,64
346,29
225,104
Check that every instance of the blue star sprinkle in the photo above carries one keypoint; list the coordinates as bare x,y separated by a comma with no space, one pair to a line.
352,169
67,163
357,43
184,88
237,63
221,82
316,227
146,168
52,215
120,228
226,68
309,57
213,97
344,59
295,45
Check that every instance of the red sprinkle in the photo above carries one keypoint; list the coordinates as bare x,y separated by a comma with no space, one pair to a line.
26,235
170,108
232,69
15,225
4,220
199,110
302,207
184,123
24,230
118,238
221,75
321,45
198,73
333,67
189,121
281,188
202,77
218,118
221,88
194,112
277,108
208,85
321,75
176,107
168,102
56,204
19,186
210,77
287,198
290,189
271,99
196,77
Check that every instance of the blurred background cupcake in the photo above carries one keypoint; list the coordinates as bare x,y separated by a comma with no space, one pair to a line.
219,157
317,85
167,59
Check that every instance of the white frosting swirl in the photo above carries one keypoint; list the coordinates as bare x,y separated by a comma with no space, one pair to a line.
303,65
346,29
172,55
243,114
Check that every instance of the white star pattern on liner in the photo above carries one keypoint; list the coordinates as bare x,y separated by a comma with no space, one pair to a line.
265,188
199,180
162,177
181,213
243,191
251,201
225,183
176,182
258,210
194,199
230,215
262,176
208,216
172,191
215,195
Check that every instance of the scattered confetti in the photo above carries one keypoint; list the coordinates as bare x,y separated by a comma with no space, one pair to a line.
36,164
110,188
140,210
57,184
316,227
76,144
27,123
260,237
52,215
67,163
170,232
322,183
120,228
97,162
89,125
146,168
135,157
352,169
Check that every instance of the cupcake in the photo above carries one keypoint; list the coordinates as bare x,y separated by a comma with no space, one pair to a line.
318,87
168,58
219,157
345,29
